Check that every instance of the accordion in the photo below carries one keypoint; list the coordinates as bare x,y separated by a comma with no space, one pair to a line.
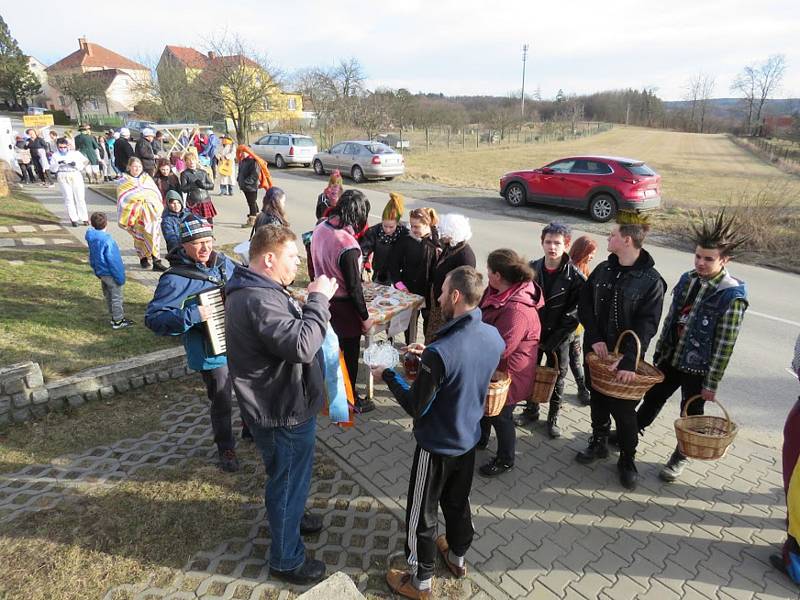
215,324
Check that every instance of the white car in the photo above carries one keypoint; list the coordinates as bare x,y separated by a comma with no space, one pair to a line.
284,149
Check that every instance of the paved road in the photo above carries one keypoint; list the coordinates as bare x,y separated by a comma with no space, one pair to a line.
758,388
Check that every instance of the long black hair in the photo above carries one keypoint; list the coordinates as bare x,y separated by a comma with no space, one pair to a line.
352,209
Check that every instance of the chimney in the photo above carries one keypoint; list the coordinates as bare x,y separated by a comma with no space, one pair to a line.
211,55
84,45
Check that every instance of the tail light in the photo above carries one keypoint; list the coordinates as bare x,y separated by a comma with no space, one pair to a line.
376,160
291,150
629,180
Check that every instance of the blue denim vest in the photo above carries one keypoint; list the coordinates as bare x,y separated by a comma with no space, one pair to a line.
700,331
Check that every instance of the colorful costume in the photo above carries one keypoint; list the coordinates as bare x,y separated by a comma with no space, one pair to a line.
139,207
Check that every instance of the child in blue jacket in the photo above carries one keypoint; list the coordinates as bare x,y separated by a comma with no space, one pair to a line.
171,220
107,264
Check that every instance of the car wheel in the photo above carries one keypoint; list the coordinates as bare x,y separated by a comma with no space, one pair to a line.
357,174
602,208
515,194
388,178
306,165
279,162
318,168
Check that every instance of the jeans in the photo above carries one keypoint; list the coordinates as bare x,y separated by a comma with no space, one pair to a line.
288,454
506,434
113,295
218,388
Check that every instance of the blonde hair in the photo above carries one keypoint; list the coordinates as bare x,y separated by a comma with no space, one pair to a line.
427,215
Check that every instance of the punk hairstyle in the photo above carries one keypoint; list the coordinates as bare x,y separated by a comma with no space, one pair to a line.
269,239
556,228
468,282
634,225
718,232
509,265
352,209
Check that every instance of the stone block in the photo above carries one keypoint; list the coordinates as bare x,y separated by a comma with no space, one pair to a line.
75,401
21,400
151,378
176,372
338,586
14,386
4,418
5,404
163,376
122,386
21,414
40,396
91,396
136,382
39,410
106,392
34,379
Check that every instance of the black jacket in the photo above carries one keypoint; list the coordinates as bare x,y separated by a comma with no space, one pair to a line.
248,175
194,179
371,242
144,151
559,316
617,298
451,258
273,350
412,261
122,153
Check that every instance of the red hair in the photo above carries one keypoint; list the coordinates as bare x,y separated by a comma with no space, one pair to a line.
580,251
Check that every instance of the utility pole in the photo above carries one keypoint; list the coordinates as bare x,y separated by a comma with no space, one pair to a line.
524,60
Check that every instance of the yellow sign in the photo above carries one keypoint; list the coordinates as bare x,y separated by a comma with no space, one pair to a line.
37,120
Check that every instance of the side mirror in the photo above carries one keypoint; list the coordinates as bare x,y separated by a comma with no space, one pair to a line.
546,171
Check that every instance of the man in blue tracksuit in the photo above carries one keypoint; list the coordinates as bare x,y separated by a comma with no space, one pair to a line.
174,310
446,402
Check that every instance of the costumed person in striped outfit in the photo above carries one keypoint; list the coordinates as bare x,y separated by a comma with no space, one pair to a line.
68,166
788,561
446,402
139,207
700,330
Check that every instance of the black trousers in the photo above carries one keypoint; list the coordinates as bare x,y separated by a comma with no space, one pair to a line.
603,407
503,424
218,388
445,481
562,353
655,398
351,349
252,207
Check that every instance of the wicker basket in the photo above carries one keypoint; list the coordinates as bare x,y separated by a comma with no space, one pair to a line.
704,437
603,379
545,382
497,394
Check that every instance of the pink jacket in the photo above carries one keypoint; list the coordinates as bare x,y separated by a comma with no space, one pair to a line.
516,317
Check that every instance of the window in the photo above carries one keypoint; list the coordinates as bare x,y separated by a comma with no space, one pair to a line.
590,167
378,148
62,101
272,140
562,167
639,169
263,141
302,141
283,140
338,149
292,104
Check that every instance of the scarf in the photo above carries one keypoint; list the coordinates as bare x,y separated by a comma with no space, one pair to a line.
264,178
496,299
389,239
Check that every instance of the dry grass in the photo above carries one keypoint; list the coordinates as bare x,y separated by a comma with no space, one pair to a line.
697,170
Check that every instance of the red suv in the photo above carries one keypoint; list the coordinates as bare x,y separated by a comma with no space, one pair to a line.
599,184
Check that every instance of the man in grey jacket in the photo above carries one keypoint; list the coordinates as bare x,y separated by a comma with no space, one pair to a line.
275,361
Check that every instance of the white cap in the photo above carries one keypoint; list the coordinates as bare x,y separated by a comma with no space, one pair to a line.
116,135
147,131
125,132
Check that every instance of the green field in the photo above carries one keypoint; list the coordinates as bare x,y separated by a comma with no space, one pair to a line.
697,169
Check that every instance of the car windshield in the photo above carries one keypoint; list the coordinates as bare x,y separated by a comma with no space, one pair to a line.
378,148
639,169
303,141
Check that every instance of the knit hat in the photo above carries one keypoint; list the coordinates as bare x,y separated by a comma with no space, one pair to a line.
174,195
195,228
394,208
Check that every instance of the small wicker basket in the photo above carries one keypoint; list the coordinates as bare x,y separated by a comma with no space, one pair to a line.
545,381
704,437
497,394
603,379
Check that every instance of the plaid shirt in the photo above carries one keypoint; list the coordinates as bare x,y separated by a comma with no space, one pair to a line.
725,336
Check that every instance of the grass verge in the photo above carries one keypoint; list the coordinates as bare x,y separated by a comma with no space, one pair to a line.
53,310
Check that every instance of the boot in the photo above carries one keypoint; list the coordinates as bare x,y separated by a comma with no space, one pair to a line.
674,467
528,416
553,430
251,221
583,391
628,475
597,449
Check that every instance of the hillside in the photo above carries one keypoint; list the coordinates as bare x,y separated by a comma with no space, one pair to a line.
726,108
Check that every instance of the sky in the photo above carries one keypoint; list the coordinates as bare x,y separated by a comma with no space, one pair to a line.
456,47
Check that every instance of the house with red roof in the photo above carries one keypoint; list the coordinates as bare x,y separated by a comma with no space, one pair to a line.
122,81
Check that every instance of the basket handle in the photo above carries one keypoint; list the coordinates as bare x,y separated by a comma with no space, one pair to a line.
555,359
725,412
638,346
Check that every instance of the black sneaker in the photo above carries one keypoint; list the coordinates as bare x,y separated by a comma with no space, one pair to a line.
674,467
310,524
553,430
583,395
121,324
494,468
144,263
526,417
228,461
628,475
364,405
311,571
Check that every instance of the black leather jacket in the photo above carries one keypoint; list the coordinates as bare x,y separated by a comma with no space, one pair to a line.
559,316
617,298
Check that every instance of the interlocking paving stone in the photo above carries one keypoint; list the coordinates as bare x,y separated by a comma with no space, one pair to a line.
7,243
23,228
32,241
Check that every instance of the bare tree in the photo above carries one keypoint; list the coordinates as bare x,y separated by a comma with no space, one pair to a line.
757,83
699,90
373,111
318,87
79,87
238,80
706,85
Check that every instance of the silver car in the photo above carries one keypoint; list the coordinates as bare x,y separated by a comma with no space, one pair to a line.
361,161
283,149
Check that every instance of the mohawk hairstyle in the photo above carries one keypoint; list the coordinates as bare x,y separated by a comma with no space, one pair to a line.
719,232
635,225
